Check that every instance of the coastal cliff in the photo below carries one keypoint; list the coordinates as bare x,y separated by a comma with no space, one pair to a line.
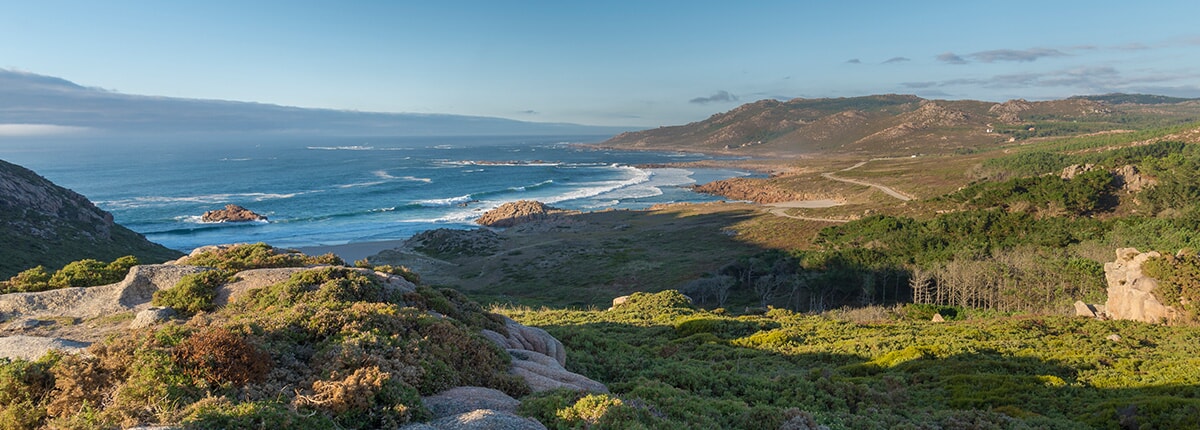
44,224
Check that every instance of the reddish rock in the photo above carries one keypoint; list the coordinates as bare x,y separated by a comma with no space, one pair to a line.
518,212
232,213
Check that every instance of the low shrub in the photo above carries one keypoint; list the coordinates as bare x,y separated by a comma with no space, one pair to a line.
82,273
218,357
258,256
193,293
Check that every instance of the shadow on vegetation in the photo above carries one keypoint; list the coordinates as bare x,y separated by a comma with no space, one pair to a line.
699,370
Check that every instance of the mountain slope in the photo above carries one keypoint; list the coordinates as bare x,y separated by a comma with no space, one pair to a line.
27,98
900,125
44,224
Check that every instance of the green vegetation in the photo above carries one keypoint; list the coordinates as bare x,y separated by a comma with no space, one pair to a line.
1178,281
758,371
193,293
233,259
82,273
332,347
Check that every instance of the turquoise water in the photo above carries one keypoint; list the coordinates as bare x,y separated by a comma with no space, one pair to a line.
323,191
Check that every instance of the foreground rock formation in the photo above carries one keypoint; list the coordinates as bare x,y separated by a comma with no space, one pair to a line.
232,213
68,320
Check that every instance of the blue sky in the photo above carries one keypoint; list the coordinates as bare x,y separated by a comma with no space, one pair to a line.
632,63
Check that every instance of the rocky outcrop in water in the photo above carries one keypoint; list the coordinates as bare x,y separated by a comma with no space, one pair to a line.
232,213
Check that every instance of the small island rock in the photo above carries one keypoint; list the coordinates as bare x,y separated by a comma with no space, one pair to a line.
232,213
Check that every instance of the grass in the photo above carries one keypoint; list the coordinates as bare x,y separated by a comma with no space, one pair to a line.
673,366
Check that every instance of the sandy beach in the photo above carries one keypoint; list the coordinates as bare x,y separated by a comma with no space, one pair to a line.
353,251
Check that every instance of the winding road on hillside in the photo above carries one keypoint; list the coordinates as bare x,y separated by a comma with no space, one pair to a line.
780,209
886,189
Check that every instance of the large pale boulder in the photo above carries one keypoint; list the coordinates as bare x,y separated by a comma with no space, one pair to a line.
483,419
460,400
131,294
34,347
530,339
543,373
1129,290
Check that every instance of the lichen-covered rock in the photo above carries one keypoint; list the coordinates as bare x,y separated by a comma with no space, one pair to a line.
132,293
461,400
34,347
544,373
1129,290
231,213
531,339
485,419
151,316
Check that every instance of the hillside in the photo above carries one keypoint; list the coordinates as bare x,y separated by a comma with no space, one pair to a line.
902,125
44,224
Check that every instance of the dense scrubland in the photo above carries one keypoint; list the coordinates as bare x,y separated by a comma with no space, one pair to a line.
671,365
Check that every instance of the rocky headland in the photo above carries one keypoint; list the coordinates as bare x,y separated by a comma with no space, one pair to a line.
512,214
44,224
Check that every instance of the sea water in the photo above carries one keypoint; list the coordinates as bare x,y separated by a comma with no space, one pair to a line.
330,191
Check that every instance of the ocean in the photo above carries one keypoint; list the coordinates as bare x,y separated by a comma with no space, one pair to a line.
332,191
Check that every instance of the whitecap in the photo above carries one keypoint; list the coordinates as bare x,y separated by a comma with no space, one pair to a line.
450,201
638,176
360,184
151,201
343,148
416,179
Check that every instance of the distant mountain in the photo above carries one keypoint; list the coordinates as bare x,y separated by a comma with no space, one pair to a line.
44,224
1142,99
50,103
900,124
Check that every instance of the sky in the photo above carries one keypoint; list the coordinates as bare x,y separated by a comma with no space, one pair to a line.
624,63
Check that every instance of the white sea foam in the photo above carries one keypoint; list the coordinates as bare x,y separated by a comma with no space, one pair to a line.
360,184
343,148
416,179
151,201
450,201
637,176
382,174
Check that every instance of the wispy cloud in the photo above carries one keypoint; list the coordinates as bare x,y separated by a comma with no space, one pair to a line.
896,60
720,97
950,57
24,130
853,61
1098,79
1017,55
919,84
